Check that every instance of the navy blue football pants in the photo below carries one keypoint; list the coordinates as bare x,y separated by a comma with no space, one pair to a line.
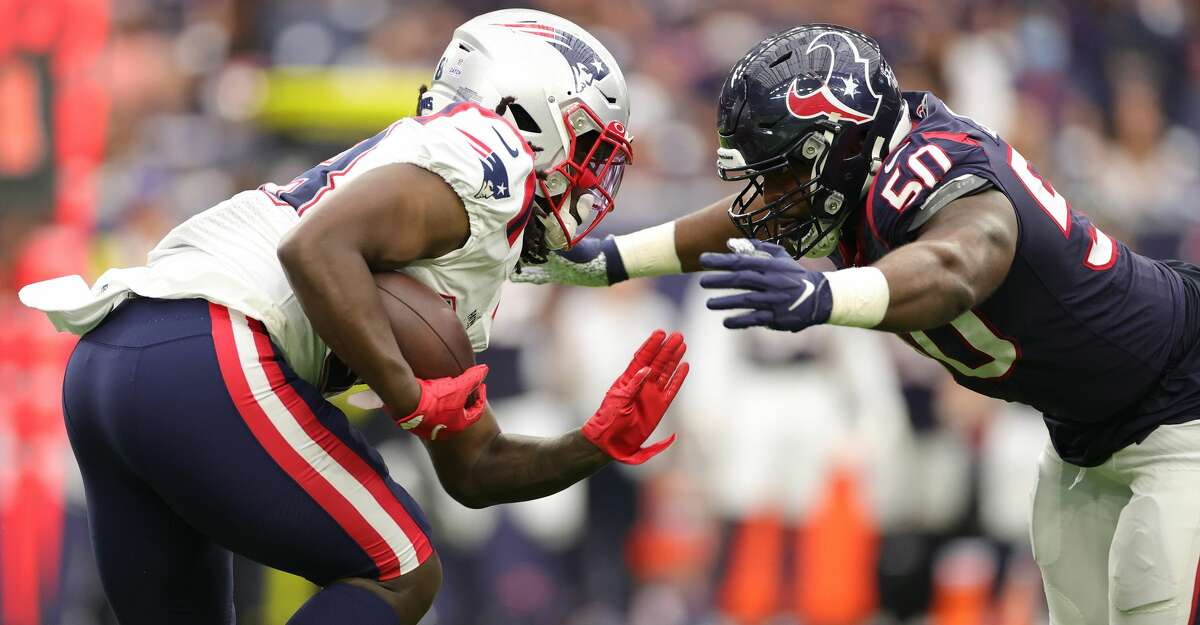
195,438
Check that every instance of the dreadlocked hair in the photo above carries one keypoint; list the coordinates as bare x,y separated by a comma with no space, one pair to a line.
504,102
534,250
420,94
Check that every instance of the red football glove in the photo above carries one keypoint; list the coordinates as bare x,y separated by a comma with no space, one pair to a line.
638,399
443,410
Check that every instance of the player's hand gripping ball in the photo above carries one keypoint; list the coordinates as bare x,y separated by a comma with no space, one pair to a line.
433,341
443,408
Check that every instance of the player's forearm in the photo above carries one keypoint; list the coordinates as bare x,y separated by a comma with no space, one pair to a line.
929,285
705,230
669,248
675,247
519,468
959,259
336,290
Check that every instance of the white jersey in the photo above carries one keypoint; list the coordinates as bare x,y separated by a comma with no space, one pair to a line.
227,254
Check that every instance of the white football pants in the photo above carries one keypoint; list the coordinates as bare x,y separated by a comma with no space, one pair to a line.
1119,544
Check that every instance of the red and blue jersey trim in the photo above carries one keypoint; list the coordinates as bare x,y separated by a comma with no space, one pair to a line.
516,225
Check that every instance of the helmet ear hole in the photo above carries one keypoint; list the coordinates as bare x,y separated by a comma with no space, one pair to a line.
524,120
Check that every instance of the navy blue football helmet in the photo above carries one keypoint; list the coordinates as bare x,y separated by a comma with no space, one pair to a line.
817,103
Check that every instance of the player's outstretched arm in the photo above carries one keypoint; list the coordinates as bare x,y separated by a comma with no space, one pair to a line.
957,261
483,466
669,248
390,216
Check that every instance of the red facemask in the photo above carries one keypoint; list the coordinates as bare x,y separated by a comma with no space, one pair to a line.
596,170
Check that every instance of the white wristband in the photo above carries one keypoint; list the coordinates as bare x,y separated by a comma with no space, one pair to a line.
649,252
860,296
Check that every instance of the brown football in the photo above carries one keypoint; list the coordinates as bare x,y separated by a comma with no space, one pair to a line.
426,329
428,332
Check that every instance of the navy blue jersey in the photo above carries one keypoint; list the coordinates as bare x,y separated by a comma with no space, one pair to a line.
1082,328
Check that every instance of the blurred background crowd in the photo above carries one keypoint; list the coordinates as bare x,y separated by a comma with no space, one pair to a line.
833,477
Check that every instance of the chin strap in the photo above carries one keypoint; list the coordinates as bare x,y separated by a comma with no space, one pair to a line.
830,236
903,127
556,237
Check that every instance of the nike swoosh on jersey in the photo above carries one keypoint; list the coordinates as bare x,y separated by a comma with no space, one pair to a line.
808,290
511,152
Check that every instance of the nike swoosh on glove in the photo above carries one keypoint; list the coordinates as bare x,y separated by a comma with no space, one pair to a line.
780,293
591,262
639,398
442,410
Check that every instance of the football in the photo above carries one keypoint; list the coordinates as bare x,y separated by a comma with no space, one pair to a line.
428,332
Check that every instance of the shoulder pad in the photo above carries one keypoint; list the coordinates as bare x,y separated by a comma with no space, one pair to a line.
927,171
953,189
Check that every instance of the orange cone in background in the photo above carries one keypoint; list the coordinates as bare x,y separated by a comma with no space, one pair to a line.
673,539
836,552
750,592
1021,599
962,583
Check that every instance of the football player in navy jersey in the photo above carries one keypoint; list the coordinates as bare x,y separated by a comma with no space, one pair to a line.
946,235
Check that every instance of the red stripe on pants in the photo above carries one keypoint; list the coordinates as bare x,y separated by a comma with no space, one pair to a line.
288,459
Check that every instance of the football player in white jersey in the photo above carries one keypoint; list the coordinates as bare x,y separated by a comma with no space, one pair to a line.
194,399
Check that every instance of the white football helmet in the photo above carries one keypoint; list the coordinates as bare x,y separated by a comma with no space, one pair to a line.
565,94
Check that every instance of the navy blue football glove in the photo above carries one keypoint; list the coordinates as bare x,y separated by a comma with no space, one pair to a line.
592,262
781,294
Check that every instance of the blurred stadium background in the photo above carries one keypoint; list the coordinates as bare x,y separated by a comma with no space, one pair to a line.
858,485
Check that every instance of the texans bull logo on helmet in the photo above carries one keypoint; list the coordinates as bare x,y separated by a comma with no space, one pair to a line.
587,66
837,95
495,174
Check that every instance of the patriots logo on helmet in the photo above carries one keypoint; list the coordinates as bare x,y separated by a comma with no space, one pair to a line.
495,174
842,95
587,66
